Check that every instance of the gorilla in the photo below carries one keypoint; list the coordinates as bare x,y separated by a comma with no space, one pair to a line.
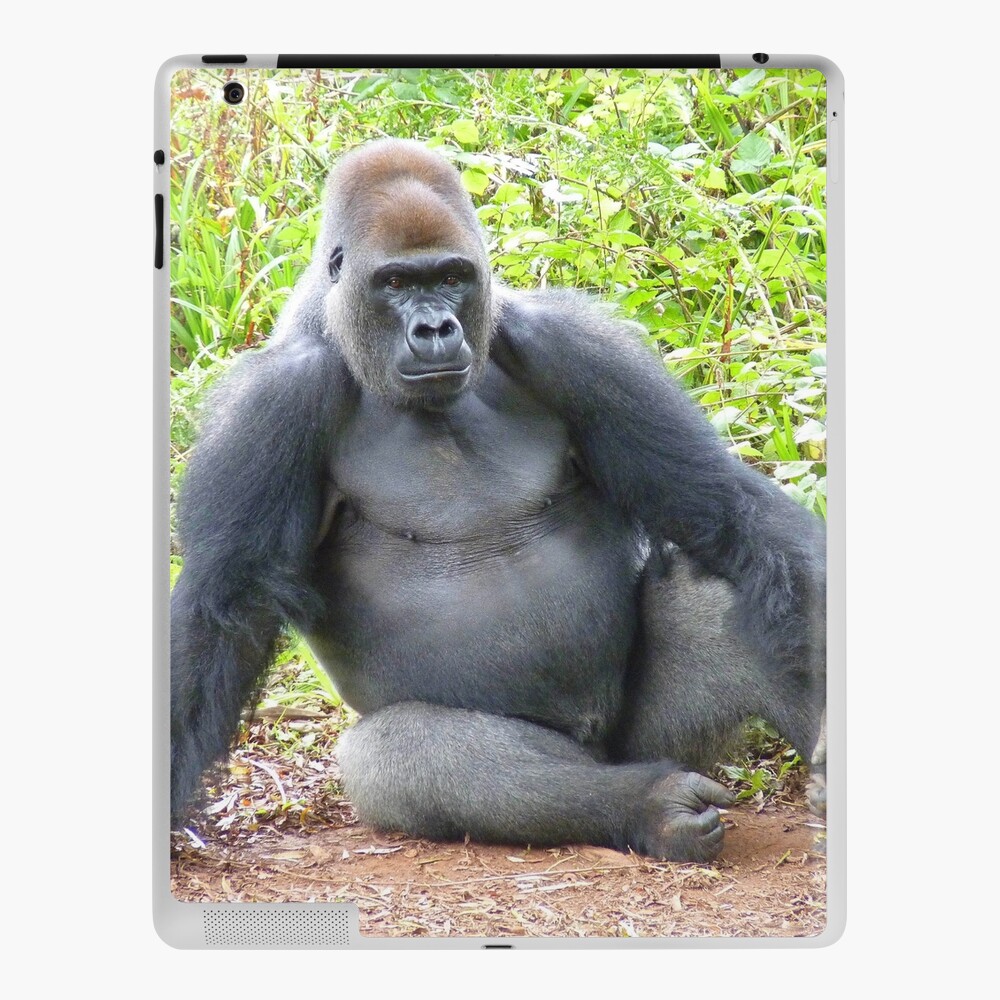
520,551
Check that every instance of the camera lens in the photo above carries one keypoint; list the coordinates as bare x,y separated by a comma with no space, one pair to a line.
760,57
233,93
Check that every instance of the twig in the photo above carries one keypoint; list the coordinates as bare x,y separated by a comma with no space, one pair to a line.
267,769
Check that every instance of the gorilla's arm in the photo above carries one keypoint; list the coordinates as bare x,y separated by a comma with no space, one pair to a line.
646,446
249,514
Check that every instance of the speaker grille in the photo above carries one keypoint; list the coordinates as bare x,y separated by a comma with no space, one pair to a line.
279,927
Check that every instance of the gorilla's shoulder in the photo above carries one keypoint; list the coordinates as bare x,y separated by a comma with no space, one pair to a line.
298,372
299,355
562,318
543,305
301,352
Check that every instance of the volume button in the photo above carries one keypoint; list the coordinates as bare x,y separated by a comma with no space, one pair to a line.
158,212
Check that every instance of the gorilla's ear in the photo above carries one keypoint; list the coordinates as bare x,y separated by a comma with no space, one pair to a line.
336,263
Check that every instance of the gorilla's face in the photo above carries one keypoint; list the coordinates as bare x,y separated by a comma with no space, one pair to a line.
409,294
421,324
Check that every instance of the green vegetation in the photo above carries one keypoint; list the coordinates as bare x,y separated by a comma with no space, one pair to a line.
694,200
765,766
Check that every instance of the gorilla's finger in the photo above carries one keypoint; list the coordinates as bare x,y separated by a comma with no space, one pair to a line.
710,792
708,820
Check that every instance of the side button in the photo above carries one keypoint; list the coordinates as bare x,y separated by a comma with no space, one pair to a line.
158,212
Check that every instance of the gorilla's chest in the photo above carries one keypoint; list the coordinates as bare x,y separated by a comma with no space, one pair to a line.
492,463
467,562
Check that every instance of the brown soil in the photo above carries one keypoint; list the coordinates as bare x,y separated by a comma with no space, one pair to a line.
284,833
770,882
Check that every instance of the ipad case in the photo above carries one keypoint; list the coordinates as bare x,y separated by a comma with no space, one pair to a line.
500,512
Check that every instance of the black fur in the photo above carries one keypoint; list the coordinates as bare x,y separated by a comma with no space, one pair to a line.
469,551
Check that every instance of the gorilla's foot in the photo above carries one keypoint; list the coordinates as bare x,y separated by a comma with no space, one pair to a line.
816,792
679,821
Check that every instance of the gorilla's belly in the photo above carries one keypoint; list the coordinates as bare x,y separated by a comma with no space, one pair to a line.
538,613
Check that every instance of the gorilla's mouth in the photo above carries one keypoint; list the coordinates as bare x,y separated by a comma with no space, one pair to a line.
434,374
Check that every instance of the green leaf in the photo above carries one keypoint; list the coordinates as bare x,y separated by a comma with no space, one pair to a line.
753,152
507,193
624,238
775,261
724,417
745,84
715,179
686,151
715,116
475,181
792,470
745,450
368,86
465,132
811,430
406,92
621,220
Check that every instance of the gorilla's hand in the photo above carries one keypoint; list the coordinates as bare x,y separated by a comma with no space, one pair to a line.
678,820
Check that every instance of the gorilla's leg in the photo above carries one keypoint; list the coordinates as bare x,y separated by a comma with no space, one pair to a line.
444,772
694,681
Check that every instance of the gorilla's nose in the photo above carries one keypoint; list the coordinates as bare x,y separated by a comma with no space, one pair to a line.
436,340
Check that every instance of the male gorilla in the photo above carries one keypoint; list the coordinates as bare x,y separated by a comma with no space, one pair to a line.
520,551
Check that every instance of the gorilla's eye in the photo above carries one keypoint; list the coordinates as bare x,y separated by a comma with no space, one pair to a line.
452,279
336,263
395,281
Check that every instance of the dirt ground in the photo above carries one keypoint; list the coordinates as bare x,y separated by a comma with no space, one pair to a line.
279,829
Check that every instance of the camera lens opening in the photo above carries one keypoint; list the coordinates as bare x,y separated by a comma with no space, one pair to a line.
233,93
760,57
